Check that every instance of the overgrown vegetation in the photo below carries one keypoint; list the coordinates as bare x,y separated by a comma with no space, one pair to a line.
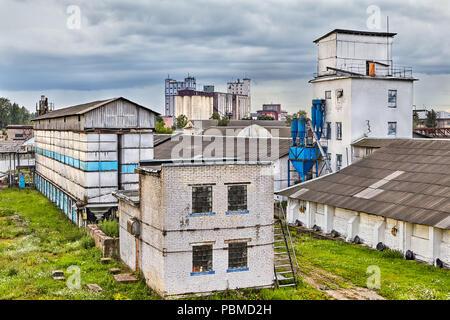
400,279
41,239
37,238
110,227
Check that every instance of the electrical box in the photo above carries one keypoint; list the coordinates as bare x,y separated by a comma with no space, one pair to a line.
134,227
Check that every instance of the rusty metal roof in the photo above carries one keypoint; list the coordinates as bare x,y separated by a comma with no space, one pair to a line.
82,109
419,191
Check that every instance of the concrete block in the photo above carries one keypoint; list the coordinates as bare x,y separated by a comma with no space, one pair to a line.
114,271
105,260
94,287
125,278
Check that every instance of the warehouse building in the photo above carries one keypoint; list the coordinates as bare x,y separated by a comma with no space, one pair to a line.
397,197
85,152
199,227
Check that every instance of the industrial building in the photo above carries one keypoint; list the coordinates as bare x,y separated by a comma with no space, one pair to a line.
171,88
20,132
193,104
365,94
201,226
273,110
397,198
87,151
231,105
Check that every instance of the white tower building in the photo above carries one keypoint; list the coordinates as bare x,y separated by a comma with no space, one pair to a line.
365,94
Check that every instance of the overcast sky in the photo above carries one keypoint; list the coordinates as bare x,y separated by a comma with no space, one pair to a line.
127,48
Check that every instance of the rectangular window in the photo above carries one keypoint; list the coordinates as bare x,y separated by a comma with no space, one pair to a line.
392,99
237,255
338,130
202,199
338,162
392,128
237,198
202,258
328,130
327,94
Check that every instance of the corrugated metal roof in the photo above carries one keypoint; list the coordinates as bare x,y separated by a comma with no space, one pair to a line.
246,149
421,194
82,109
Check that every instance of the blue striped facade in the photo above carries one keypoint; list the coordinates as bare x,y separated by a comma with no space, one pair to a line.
94,166
58,197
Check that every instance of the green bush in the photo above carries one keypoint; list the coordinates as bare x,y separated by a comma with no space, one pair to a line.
110,227
87,242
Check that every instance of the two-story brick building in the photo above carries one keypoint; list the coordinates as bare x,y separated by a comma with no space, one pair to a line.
199,227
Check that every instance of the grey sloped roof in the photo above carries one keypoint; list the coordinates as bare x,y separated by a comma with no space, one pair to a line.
407,180
246,149
82,109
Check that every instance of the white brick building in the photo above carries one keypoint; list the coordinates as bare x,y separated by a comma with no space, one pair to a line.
204,227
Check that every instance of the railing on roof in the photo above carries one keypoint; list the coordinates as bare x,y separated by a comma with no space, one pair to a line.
361,70
443,133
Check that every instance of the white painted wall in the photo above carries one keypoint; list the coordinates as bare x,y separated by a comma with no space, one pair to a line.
427,243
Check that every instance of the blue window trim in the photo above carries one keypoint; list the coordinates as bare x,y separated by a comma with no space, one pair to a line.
202,214
236,212
237,270
202,273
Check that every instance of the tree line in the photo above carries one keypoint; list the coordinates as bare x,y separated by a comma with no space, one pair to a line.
12,113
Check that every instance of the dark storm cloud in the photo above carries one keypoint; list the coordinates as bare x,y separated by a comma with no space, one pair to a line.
123,44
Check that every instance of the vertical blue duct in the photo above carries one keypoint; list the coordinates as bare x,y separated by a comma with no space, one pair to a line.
301,156
294,131
302,131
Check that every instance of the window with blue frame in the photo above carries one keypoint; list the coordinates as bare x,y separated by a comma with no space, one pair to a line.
201,199
237,256
237,198
202,258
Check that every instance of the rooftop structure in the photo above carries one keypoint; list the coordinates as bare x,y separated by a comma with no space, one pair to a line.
365,96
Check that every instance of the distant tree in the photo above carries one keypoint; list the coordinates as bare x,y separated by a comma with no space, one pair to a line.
223,122
247,118
159,118
299,114
160,128
264,117
5,108
415,119
14,114
431,121
181,121
215,116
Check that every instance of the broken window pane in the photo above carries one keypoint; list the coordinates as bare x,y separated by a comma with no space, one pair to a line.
237,255
237,198
392,98
202,199
202,258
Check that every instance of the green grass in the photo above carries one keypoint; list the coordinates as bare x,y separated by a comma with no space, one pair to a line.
37,238
110,227
400,278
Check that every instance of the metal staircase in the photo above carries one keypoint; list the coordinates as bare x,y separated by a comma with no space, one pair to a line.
283,250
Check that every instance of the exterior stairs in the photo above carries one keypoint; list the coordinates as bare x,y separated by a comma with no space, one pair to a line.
283,250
